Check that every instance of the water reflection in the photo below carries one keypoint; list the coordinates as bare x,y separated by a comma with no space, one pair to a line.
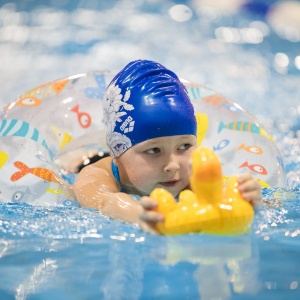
223,265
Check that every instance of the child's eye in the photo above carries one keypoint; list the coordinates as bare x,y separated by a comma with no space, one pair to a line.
153,150
184,147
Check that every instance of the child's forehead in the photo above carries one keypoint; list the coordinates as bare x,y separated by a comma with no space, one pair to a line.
167,139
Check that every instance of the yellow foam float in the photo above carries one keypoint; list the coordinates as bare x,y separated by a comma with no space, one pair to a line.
208,207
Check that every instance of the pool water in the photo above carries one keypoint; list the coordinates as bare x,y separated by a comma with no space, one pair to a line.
75,253
248,52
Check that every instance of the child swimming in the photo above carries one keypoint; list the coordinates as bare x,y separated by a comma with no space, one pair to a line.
151,132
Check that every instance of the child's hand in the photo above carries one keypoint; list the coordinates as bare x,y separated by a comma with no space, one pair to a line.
250,189
149,217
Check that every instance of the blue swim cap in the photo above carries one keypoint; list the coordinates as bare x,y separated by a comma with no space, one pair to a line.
145,101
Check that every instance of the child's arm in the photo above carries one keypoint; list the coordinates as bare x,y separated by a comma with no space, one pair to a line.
95,187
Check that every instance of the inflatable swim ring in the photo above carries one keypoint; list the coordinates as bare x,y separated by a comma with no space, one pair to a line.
208,208
51,128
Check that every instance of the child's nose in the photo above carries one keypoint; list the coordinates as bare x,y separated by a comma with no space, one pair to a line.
172,164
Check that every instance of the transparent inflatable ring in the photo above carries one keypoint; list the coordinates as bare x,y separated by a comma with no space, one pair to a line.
47,131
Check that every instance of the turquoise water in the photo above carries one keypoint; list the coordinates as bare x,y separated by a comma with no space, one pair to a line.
75,253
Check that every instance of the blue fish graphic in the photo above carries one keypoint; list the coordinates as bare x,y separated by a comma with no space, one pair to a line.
98,93
199,92
222,144
14,127
245,127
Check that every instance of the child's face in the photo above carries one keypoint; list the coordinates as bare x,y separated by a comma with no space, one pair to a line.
158,163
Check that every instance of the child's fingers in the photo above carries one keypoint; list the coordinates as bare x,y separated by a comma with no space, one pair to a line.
244,178
152,216
247,183
148,203
150,229
149,214
248,186
254,197
149,219
250,189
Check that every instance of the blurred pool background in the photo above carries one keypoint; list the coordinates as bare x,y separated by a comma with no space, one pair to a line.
248,51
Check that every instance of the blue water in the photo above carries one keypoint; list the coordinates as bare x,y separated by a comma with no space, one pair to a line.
75,253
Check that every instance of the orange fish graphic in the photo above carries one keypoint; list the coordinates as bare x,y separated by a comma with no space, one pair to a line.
43,173
84,118
221,102
216,100
47,89
28,101
251,149
255,168
59,85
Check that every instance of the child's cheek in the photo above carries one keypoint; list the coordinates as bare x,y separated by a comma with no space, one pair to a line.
145,182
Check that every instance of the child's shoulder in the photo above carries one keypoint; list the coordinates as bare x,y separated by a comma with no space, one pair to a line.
104,163
98,174
94,169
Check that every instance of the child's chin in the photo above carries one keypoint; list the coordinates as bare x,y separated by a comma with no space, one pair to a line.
174,191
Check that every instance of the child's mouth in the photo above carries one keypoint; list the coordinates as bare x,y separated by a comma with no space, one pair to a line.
169,183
